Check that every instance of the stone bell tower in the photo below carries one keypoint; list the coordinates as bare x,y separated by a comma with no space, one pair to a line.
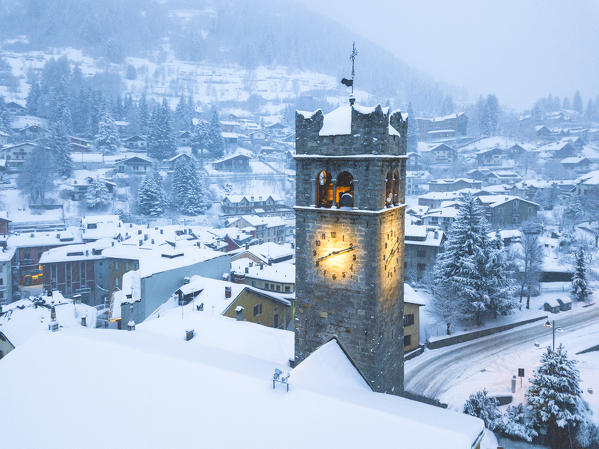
351,166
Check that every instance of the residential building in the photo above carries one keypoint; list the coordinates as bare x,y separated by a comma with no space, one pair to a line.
276,277
263,229
508,212
236,162
452,185
249,204
411,318
6,281
232,300
135,165
136,142
422,244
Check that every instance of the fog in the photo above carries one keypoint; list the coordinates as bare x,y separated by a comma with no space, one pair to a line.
519,50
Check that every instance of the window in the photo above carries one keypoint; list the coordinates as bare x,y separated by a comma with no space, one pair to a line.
396,187
408,320
345,190
389,189
421,267
407,340
421,253
1,281
116,265
116,282
278,288
257,309
287,289
324,189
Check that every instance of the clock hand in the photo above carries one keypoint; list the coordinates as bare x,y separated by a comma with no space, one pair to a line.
334,253
392,251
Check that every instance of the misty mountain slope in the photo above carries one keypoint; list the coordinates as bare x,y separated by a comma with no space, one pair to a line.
213,32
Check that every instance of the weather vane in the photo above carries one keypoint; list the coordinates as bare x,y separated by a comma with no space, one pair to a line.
350,82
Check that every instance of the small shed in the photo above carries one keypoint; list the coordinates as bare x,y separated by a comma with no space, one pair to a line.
565,303
551,305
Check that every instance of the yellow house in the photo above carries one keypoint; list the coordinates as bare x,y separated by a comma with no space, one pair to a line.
411,318
243,302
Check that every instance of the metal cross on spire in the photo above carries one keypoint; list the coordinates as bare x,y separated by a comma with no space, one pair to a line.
352,56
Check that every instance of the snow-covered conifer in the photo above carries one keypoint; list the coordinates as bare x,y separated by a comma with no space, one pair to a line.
519,423
555,397
215,138
459,270
150,196
97,194
60,148
499,279
189,195
107,141
161,140
481,405
579,287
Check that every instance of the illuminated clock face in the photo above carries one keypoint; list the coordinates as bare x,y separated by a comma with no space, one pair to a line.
335,255
391,254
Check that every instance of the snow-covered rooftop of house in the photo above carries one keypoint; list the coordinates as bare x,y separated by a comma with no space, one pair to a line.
443,212
272,250
410,295
70,253
498,200
26,318
452,181
573,160
69,236
28,216
591,178
167,377
6,254
422,235
283,272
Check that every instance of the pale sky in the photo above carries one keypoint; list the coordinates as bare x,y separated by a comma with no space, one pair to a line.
518,49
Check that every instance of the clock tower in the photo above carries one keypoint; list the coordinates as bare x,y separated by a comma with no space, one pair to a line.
351,166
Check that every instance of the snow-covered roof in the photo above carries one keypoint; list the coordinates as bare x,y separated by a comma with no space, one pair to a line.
338,121
71,253
69,236
411,296
26,318
590,179
573,160
283,272
167,377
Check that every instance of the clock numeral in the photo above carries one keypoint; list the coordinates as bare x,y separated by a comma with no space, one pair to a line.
314,252
354,257
317,243
333,234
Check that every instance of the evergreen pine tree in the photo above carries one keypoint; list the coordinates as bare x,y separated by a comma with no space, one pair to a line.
4,118
579,288
161,141
484,407
33,98
150,196
60,148
459,272
181,116
199,140
144,115
107,140
577,102
189,195
499,279
589,112
566,103
519,423
555,397
412,131
97,194
37,175
574,212
215,138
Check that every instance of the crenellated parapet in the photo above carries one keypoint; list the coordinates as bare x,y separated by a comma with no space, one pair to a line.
351,130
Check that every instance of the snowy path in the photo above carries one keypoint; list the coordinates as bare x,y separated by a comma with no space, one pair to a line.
437,371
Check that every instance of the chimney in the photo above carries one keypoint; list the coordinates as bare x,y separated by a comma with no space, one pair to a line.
130,225
247,270
227,291
247,246
139,232
292,245
131,325
261,266
162,231
186,280
141,242
189,334
84,321
145,237
152,241
112,243
269,262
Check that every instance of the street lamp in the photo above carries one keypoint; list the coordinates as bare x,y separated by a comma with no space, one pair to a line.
552,326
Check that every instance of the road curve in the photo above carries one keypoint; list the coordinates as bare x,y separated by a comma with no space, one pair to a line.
434,372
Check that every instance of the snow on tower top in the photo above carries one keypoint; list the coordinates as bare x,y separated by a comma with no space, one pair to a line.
363,130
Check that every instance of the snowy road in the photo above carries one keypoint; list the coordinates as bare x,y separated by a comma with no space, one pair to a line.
436,371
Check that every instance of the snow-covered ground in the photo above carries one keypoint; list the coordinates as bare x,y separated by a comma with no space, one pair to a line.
451,374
